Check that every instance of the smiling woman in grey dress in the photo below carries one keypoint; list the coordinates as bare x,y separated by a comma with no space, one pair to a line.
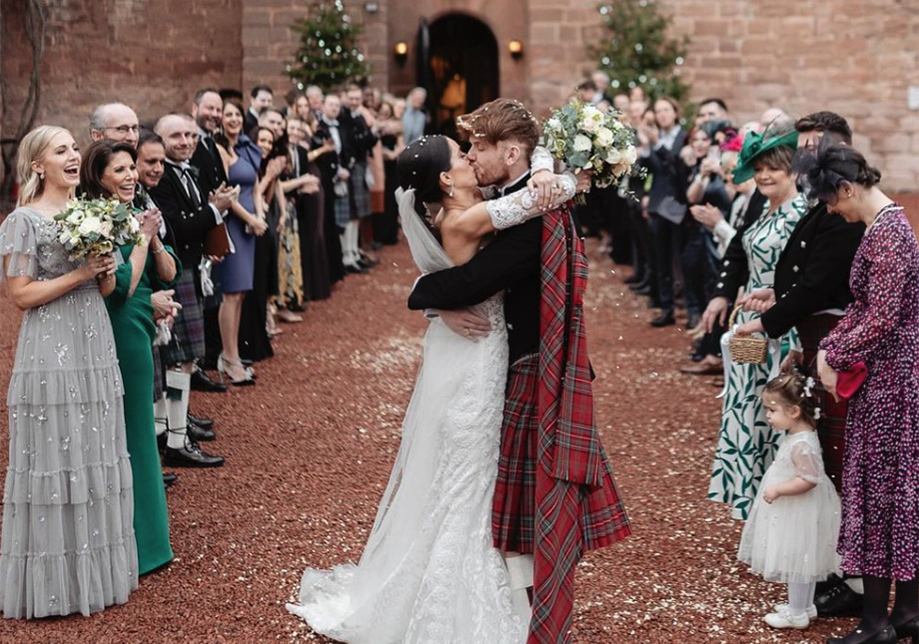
68,539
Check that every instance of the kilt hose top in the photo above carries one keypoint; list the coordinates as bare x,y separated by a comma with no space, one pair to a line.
555,496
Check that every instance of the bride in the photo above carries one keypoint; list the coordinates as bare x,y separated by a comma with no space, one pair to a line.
429,573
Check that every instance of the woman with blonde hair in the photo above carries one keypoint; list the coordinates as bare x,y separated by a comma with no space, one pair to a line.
68,539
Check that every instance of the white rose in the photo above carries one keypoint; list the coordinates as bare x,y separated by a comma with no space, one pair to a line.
75,217
604,137
90,225
631,155
106,228
589,125
582,143
614,157
554,123
592,113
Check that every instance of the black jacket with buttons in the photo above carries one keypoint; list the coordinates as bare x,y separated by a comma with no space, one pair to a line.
812,273
511,262
189,224
735,270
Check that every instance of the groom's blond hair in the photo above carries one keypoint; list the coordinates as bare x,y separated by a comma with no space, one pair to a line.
502,119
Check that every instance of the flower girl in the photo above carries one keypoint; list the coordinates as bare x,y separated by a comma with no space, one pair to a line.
791,534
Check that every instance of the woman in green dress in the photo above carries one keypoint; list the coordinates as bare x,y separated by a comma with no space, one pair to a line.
746,442
109,171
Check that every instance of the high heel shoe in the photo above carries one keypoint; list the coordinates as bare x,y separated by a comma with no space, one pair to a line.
222,363
908,630
885,636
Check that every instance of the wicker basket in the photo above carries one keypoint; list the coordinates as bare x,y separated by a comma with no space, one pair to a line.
747,349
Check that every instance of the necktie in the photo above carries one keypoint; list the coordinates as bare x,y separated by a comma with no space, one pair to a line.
188,182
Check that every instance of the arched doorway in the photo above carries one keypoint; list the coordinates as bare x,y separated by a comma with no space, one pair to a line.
463,66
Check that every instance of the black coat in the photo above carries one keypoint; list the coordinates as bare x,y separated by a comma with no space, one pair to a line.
735,270
329,163
189,224
669,173
512,263
812,273
359,134
211,172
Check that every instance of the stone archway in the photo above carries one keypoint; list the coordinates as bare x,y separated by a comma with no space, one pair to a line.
463,68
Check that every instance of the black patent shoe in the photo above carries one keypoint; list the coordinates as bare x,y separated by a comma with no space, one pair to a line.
199,434
886,636
839,601
908,631
206,423
662,320
190,455
200,381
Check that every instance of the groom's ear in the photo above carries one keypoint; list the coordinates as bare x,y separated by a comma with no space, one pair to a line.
511,154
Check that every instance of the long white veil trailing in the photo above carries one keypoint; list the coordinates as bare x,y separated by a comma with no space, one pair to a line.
427,252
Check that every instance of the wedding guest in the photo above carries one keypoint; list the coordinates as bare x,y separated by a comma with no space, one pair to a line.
712,109
114,121
879,538
414,120
109,172
191,216
334,167
260,97
666,199
242,159
313,252
356,128
290,270
587,92
43,530
390,129
315,97
601,82
643,279
746,443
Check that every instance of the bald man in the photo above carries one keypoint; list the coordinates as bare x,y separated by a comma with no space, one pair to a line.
114,121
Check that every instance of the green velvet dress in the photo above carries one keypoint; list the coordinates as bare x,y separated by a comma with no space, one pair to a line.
135,330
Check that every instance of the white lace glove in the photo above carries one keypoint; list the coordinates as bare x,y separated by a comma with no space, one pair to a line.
521,206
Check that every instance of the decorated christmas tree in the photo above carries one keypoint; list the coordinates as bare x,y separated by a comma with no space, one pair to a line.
328,54
638,51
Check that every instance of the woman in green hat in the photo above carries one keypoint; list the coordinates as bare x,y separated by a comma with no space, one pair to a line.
746,442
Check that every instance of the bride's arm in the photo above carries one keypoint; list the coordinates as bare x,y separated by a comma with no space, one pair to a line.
505,212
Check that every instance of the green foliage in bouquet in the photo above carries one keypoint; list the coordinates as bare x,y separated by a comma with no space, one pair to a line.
328,54
96,227
587,139
638,51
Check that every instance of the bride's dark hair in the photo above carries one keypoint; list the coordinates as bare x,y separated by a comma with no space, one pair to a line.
420,165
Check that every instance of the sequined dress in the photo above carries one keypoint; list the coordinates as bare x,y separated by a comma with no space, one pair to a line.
68,539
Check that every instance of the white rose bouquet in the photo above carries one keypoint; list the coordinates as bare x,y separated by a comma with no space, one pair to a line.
587,139
96,227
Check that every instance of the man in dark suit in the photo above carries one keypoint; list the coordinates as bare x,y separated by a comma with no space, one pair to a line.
666,199
191,213
335,168
260,97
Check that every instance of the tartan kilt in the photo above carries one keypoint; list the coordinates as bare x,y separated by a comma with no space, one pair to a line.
360,193
601,518
188,331
831,428
342,207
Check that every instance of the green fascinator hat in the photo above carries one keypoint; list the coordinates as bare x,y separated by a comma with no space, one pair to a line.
754,145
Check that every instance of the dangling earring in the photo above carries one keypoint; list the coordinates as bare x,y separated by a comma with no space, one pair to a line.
41,176
452,190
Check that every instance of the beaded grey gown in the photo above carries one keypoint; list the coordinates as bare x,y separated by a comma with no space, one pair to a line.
68,538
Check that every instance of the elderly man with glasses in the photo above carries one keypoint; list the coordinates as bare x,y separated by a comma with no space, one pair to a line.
114,121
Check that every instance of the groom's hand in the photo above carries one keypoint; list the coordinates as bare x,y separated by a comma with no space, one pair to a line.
466,323
543,185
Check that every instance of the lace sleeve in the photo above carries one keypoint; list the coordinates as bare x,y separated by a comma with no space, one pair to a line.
808,462
541,160
18,246
516,208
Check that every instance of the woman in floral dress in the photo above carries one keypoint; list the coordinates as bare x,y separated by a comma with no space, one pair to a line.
879,537
746,442
68,508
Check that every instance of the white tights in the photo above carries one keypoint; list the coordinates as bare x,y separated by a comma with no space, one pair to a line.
800,596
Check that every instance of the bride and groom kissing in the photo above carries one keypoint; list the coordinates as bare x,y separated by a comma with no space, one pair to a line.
501,483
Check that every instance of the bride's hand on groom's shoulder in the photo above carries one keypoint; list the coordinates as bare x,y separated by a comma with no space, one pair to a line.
466,323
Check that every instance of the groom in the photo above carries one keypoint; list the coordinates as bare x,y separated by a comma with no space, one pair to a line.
555,497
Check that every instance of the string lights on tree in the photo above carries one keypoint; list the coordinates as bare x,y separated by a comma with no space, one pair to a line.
329,52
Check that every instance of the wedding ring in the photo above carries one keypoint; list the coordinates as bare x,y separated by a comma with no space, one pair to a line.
466,332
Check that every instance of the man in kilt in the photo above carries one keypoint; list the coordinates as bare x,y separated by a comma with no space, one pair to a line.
191,213
810,293
555,497
363,140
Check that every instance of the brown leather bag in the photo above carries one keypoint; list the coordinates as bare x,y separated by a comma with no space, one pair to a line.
217,243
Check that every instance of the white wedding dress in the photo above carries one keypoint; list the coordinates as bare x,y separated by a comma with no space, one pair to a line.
429,573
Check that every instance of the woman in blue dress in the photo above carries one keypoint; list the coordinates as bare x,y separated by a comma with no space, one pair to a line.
242,158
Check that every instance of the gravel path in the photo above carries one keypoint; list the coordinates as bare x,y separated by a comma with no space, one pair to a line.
309,451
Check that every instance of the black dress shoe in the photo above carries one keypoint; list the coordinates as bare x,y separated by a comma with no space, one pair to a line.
354,269
200,381
205,423
190,456
886,636
839,601
662,320
199,434
169,479
908,630
825,585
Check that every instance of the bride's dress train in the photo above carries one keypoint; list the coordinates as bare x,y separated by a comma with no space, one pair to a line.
429,573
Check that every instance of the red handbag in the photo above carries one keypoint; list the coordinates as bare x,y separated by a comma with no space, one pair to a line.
849,381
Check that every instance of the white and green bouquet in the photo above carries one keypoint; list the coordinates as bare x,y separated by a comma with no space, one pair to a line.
585,138
96,227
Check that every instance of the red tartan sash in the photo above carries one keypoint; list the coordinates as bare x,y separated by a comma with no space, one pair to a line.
569,445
